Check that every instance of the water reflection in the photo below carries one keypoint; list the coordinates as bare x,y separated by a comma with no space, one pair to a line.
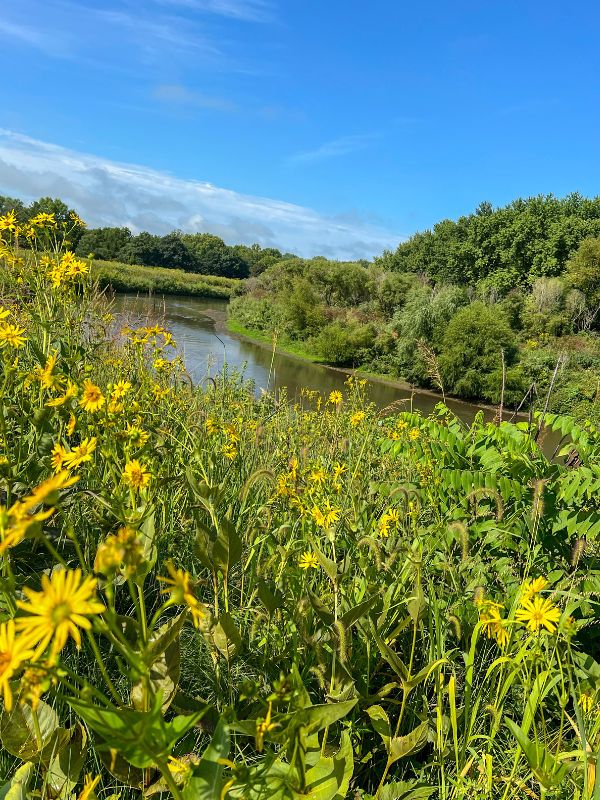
198,327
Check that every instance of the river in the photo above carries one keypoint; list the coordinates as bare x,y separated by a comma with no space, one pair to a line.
198,326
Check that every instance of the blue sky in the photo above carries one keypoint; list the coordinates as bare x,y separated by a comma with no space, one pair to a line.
330,126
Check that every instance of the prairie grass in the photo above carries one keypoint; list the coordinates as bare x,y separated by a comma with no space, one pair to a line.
211,596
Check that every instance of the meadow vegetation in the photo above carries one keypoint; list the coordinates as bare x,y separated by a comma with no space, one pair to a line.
122,277
487,307
212,596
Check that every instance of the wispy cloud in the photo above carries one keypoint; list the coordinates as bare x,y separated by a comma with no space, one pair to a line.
35,37
110,193
248,10
335,148
176,94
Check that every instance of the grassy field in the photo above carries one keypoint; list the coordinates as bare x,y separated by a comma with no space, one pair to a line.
209,596
133,278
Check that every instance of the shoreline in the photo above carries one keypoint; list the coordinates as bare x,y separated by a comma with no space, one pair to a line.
264,341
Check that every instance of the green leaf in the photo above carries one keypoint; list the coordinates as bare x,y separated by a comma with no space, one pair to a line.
123,771
207,780
330,777
328,565
546,768
226,636
16,787
143,738
323,613
381,724
227,547
17,729
402,746
359,611
163,659
65,767
269,596
406,790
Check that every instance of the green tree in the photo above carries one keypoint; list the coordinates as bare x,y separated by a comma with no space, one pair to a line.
67,231
471,355
583,269
105,243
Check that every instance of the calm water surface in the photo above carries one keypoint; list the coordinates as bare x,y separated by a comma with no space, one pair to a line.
198,327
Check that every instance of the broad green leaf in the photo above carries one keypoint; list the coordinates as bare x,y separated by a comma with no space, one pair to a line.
227,547
381,724
17,729
354,614
402,746
226,636
330,777
207,780
406,790
143,738
16,787
162,656
65,767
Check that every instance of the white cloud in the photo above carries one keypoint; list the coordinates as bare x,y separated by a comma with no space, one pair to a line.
111,193
177,94
248,10
338,147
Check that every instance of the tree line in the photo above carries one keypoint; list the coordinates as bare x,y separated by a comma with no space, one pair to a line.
482,308
202,253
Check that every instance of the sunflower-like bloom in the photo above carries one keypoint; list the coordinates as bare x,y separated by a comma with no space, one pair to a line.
179,586
13,653
92,398
532,587
308,560
11,335
538,613
16,520
68,393
80,454
58,456
64,605
492,623
335,398
135,475
120,552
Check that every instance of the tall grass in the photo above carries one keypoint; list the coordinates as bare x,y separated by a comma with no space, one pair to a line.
277,600
158,280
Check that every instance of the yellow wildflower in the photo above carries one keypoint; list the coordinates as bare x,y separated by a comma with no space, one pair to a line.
13,654
120,389
92,398
532,587
64,605
70,392
179,586
538,613
80,454
135,475
11,335
264,726
120,552
308,560
88,793
414,434
357,418
59,453
335,398
317,475
585,702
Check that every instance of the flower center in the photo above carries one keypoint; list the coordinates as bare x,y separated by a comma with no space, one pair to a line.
5,661
61,612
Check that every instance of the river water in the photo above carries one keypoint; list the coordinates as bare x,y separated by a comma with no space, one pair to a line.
198,326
